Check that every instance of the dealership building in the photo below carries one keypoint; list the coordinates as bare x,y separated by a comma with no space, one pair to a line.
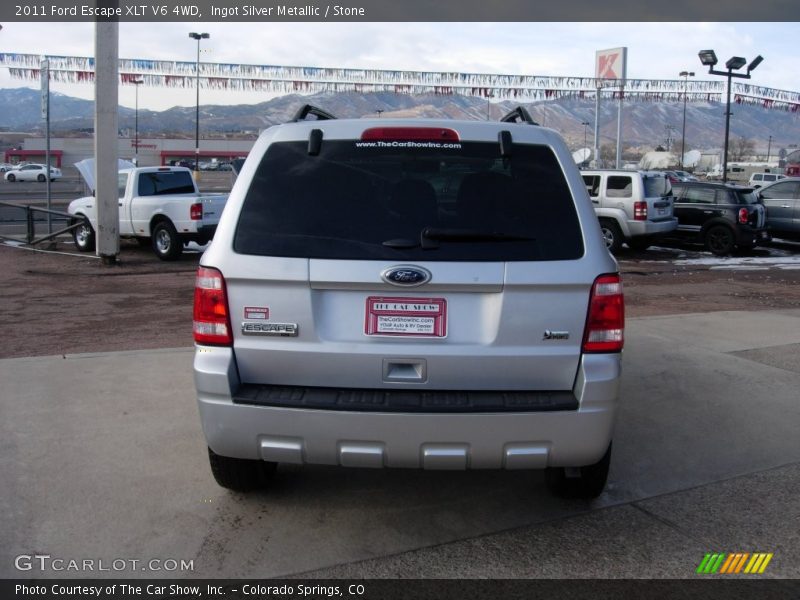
65,152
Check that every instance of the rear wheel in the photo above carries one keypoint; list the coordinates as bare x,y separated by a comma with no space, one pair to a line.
579,482
611,234
719,240
83,235
166,243
239,474
40,178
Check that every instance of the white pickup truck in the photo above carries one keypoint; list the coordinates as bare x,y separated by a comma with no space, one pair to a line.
158,206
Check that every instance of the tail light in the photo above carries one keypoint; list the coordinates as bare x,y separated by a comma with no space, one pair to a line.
196,211
212,324
743,216
605,324
640,211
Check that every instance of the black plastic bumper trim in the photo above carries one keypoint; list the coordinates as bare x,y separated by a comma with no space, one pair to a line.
404,401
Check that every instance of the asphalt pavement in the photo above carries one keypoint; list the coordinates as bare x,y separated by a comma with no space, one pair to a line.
102,457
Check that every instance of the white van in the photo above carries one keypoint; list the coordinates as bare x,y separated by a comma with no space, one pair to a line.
759,179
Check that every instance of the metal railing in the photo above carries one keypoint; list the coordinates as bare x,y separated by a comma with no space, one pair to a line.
30,222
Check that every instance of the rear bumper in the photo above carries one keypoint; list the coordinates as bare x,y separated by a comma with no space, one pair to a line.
652,228
502,440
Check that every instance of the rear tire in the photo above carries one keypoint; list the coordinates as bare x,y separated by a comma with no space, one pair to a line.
582,482
166,243
239,474
719,240
611,234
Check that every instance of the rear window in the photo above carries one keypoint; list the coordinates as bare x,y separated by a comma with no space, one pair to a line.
159,183
363,201
745,196
657,186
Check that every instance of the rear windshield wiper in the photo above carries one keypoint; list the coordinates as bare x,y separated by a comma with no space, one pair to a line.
430,235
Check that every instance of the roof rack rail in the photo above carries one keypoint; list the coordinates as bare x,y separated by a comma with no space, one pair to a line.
519,114
310,109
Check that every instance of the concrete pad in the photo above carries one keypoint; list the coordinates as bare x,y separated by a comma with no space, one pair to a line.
756,513
727,331
781,357
103,457
665,537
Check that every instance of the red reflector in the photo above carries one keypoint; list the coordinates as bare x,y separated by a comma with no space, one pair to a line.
743,216
409,134
640,211
605,323
211,322
196,211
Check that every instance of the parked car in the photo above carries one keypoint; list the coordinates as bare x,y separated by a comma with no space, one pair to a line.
5,167
685,176
32,172
759,179
634,207
782,202
421,293
722,216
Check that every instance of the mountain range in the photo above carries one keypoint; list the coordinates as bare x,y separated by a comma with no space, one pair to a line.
646,125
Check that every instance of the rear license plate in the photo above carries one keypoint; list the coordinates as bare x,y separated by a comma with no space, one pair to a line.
411,317
662,211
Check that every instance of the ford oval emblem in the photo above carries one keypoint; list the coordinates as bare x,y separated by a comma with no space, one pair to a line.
406,275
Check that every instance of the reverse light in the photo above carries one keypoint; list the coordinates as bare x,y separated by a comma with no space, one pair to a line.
212,324
743,216
640,211
409,134
605,323
196,211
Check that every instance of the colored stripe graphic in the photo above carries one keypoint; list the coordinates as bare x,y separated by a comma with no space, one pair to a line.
734,563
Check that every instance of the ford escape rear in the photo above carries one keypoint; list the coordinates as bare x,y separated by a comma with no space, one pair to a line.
409,293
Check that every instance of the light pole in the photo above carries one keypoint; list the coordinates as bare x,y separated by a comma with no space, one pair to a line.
585,125
769,147
709,58
137,83
198,37
685,75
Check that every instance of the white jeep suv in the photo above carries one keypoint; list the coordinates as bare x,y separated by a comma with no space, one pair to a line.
409,293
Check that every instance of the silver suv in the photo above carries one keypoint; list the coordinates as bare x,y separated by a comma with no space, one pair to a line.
634,207
409,293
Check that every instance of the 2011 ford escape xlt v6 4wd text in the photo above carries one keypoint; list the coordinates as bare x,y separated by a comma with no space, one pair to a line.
409,293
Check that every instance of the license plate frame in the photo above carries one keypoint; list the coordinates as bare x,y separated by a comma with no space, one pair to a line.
405,317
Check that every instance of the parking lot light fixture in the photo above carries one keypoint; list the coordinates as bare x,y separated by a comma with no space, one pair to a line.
685,75
709,58
198,37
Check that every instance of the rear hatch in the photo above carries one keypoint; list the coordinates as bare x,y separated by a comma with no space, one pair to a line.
658,196
397,263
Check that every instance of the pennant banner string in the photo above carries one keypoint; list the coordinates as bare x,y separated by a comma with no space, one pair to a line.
283,79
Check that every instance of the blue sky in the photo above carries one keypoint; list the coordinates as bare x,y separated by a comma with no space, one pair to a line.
655,50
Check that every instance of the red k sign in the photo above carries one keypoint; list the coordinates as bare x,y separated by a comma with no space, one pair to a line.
610,64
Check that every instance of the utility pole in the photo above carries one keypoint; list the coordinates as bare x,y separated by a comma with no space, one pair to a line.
106,135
